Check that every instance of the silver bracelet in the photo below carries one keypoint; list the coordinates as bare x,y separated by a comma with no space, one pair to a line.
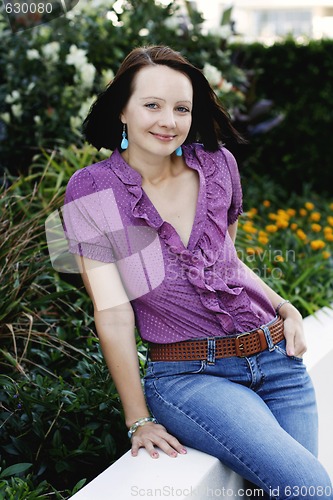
142,421
280,305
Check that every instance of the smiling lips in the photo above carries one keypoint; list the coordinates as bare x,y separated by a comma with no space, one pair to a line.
163,137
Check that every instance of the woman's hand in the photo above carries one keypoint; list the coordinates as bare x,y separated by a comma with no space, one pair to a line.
150,435
293,331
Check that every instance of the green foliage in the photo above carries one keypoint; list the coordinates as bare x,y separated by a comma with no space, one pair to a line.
50,75
61,419
65,425
298,78
17,488
59,410
25,203
289,242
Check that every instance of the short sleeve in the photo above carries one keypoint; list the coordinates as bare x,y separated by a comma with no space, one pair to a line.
85,225
236,205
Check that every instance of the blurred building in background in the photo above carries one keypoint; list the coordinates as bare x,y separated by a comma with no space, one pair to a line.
270,20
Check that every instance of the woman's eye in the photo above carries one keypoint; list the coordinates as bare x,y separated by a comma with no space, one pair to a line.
151,105
183,109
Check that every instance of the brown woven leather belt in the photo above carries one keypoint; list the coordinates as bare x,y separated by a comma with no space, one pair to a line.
244,344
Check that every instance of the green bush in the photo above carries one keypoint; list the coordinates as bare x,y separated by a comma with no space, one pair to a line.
14,487
50,74
299,79
289,242
59,408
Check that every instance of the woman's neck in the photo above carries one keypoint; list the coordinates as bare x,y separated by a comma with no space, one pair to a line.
154,170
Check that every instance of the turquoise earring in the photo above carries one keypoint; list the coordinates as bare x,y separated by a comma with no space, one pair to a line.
179,151
124,142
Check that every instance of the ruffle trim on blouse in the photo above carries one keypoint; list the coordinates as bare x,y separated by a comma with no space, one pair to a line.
218,293
207,240
235,217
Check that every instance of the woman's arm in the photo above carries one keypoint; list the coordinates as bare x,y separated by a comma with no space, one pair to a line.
293,325
114,320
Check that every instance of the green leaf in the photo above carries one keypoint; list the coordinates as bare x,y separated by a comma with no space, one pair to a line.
12,470
78,486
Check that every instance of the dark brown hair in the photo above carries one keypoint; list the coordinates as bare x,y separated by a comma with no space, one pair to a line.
211,123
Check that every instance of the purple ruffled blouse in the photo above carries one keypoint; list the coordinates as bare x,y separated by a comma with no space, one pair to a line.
177,292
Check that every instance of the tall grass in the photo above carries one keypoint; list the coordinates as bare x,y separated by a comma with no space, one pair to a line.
59,409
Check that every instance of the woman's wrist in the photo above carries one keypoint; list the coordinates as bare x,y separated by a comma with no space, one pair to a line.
139,423
286,309
131,420
280,305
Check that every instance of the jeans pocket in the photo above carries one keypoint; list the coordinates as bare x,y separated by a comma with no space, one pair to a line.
280,347
158,369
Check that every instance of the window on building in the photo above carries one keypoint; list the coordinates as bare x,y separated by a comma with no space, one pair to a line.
284,22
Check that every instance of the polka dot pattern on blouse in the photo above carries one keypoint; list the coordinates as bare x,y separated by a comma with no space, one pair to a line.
176,292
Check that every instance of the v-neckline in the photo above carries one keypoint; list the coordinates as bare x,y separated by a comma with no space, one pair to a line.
189,245
144,208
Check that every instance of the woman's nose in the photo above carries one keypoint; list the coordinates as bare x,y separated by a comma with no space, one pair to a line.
167,119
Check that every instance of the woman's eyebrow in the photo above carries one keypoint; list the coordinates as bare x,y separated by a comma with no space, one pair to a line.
152,97
161,99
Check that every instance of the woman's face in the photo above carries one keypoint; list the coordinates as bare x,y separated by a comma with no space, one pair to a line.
158,113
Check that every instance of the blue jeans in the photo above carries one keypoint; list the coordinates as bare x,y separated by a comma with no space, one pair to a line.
256,414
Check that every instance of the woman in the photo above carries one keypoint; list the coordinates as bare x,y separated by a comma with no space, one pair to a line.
154,228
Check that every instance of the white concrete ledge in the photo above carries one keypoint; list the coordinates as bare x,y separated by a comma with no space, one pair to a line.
319,361
195,475
201,476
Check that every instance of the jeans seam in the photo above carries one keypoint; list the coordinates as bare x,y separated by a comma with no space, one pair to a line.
255,384
263,377
157,393
253,375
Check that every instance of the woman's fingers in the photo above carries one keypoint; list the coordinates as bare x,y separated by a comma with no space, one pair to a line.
295,338
151,435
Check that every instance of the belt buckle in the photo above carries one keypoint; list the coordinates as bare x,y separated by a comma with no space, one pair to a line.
240,345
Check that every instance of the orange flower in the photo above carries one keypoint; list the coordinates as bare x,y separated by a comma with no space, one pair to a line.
252,212
291,212
262,233
326,254
279,258
329,236
294,226
271,228
316,228
266,203
317,244
272,216
301,234
263,240
248,227
282,223
302,212
254,250
315,216
330,220
308,205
